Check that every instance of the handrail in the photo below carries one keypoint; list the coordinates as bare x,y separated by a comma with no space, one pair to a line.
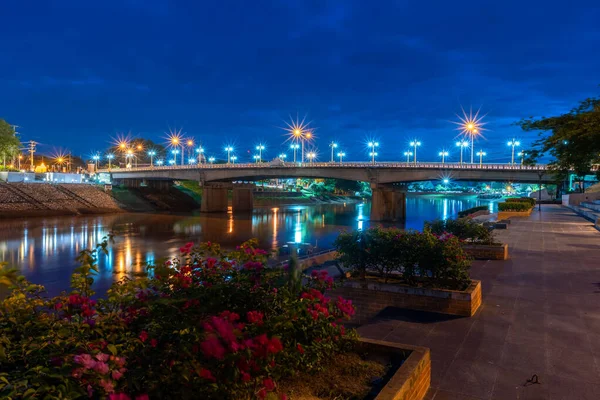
292,166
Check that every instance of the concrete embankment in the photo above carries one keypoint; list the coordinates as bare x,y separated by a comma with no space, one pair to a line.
19,200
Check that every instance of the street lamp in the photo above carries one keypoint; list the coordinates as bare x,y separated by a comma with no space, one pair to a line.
443,154
152,153
295,147
110,157
159,162
228,149
172,162
341,155
373,153
415,144
233,158
175,152
128,155
481,153
260,148
192,161
96,158
282,157
256,158
311,156
513,143
200,152
462,144
333,145
408,154
211,160
522,154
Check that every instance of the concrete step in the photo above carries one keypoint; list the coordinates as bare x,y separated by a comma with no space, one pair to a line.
591,206
592,215
596,202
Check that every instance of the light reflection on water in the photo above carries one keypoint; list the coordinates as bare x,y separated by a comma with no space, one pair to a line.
44,249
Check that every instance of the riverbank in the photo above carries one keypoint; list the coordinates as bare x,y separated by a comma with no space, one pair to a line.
19,200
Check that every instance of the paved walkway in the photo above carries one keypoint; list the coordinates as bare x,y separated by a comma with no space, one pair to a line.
541,315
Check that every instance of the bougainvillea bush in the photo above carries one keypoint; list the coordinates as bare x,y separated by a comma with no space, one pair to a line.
208,324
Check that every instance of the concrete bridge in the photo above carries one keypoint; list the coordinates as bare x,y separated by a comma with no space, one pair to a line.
385,178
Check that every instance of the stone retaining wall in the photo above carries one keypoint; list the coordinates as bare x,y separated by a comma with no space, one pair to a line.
370,298
509,214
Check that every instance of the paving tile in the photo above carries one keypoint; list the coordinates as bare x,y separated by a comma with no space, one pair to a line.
556,338
572,364
488,351
440,362
446,395
471,378
526,358
512,384
561,388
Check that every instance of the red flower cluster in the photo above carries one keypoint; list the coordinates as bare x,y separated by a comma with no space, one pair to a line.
345,306
187,248
255,317
322,278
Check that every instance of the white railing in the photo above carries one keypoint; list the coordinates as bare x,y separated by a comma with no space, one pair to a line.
291,165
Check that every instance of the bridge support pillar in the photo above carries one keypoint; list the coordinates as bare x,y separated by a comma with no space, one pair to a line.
242,198
214,199
388,204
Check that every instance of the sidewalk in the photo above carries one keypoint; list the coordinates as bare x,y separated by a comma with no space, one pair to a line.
540,315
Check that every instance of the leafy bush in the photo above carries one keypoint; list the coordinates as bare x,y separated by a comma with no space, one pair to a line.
471,210
417,258
208,324
529,200
514,206
464,228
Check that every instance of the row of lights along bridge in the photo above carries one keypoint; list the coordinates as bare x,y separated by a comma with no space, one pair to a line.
301,136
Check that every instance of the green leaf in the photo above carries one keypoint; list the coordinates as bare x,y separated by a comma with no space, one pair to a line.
112,348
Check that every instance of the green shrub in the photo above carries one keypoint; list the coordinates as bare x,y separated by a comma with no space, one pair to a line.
415,257
472,210
529,200
208,325
463,228
514,206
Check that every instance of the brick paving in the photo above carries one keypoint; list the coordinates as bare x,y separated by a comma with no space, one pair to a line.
540,315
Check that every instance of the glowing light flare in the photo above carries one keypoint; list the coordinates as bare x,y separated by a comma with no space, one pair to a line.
470,124
298,130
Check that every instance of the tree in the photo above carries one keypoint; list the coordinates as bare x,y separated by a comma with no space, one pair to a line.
9,142
574,139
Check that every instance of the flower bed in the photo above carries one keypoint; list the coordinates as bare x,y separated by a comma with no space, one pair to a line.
208,324
474,211
514,209
497,251
422,271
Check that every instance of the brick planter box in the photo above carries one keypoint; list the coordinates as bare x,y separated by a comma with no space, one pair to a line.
411,381
508,214
487,252
370,298
478,213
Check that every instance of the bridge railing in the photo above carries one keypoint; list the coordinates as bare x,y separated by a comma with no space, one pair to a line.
291,165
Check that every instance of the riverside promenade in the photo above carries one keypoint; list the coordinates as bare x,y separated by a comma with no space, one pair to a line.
540,315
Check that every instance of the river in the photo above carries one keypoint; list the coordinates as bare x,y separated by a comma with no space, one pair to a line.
44,249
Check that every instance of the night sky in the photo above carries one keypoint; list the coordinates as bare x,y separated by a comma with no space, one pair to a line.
74,74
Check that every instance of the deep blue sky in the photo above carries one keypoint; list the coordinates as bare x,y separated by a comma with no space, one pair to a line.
75,73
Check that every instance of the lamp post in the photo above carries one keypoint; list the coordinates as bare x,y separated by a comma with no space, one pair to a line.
462,144
200,151
152,153
443,154
408,154
211,160
260,148
311,156
256,158
228,149
373,153
110,157
128,158
522,154
333,145
96,158
233,158
415,144
341,155
190,144
295,147
159,162
513,143
481,153
282,157
192,160
175,152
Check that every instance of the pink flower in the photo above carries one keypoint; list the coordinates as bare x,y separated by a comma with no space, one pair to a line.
102,357
77,373
300,348
142,397
116,375
206,374
212,347
246,377
143,336
101,368
269,384
86,360
107,385
262,393
119,396
153,342
255,317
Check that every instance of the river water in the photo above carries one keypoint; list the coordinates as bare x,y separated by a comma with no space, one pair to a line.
44,249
